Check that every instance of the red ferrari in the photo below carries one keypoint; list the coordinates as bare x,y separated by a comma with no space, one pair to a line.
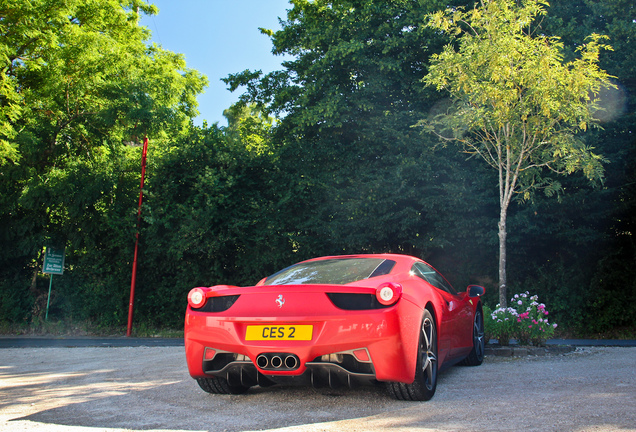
330,321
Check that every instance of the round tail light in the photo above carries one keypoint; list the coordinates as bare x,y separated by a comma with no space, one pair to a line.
388,293
196,298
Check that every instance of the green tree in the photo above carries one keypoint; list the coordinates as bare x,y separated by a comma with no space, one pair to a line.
216,214
608,302
79,81
347,99
516,103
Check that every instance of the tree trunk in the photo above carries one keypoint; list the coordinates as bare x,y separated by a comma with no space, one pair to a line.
502,256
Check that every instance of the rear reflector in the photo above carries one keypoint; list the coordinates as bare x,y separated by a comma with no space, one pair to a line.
362,355
209,354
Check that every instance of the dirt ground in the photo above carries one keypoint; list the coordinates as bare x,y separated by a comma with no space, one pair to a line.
149,389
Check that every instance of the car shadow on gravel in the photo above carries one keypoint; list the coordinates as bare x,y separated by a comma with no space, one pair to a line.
183,406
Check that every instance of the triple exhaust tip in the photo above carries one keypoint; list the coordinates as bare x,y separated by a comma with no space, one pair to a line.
275,361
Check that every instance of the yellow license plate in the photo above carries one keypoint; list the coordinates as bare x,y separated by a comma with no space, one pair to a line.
279,332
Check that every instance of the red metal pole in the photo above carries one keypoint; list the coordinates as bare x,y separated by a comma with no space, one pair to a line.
134,268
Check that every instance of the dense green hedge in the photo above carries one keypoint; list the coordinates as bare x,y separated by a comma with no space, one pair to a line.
338,172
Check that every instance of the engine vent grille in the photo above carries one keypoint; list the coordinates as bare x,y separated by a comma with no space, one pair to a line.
217,304
351,301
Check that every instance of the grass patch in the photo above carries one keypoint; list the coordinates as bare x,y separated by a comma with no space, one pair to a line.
54,328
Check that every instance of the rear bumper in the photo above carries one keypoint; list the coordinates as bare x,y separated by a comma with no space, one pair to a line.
216,346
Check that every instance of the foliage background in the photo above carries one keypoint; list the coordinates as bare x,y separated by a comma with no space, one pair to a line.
320,158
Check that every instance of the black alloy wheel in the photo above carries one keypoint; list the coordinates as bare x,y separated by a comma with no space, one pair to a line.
476,356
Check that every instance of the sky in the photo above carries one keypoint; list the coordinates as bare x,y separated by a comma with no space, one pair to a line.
218,37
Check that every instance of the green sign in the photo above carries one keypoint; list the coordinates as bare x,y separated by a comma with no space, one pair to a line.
53,261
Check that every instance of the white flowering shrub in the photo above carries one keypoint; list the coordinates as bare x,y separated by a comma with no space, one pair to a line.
525,320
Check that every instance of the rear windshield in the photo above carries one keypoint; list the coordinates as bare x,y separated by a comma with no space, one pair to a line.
336,271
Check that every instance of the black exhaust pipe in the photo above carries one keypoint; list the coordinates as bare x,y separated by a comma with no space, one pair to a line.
262,361
291,362
277,362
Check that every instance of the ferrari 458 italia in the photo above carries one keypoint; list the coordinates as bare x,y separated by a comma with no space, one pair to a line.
331,321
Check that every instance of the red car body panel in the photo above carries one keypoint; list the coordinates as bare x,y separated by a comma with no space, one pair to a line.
390,335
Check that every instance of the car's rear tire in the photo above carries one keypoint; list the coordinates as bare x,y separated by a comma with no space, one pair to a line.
425,383
218,385
476,356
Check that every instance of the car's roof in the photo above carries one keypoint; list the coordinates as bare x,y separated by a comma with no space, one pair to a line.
395,257
403,262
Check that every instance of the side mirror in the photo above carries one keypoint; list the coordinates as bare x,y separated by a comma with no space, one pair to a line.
475,290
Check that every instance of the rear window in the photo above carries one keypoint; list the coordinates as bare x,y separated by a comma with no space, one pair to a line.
336,271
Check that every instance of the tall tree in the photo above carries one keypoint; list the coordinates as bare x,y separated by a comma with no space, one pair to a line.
516,103
612,287
347,99
216,214
78,81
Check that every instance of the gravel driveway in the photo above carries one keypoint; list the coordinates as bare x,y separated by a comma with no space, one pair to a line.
148,388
